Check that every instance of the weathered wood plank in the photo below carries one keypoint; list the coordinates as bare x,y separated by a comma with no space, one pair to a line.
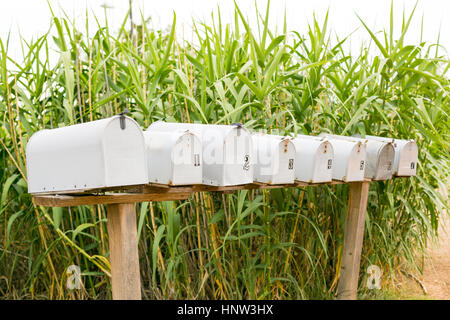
150,192
116,198
353,239
123,246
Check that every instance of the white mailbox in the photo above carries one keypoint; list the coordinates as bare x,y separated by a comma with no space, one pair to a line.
314,159
174,157
406,155
379,157
226,151
274,159
349,158
97,154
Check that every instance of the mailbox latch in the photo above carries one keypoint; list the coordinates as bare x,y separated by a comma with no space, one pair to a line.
122,118
239,127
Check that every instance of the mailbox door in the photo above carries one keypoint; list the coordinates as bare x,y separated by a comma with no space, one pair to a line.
124,154
186,157
159,147
406,158
323,163
315,157
356,163
349,160
238,166
304,158
371,162
213,157
379,160
264,148
385,164
284,164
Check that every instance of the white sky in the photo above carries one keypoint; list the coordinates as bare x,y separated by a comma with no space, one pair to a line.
32,17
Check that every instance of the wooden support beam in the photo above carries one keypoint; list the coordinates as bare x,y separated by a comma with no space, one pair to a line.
123,246
115,198
149,192
353,239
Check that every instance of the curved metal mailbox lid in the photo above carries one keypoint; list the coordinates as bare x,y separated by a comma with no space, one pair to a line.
406,155
85,156
349,158
274,159
173,157
379,157
227,151
314,159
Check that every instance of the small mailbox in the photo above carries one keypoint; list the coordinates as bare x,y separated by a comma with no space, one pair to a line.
226,151
97,154
349,158
173,157
379,157
406,155
274,159
314,159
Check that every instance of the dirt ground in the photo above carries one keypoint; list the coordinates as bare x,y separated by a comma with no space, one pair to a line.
436,273
434,283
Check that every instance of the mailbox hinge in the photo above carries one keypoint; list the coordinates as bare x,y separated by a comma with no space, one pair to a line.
122,118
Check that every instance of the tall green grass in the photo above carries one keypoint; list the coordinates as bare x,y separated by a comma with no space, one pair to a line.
279,244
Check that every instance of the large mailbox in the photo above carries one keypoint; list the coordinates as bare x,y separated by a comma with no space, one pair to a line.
406,155
349,158
97,154
274,159
173,157
226,151
314,159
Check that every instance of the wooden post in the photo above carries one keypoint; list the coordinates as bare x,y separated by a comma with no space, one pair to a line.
353,239
123,247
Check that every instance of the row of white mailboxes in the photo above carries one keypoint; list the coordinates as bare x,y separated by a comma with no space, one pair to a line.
116,152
